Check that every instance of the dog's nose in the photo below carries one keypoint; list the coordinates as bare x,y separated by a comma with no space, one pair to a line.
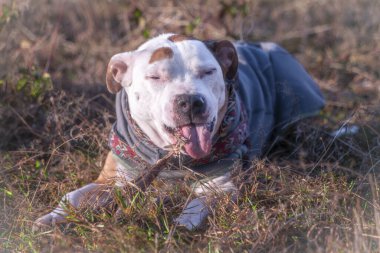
190,105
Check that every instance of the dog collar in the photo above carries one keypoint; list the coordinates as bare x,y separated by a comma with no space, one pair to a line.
129,143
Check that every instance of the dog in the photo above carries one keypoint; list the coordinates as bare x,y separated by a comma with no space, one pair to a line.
225,101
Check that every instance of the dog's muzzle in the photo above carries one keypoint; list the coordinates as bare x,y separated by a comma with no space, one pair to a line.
193,124
189,108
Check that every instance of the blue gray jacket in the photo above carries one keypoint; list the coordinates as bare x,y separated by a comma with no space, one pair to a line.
276,91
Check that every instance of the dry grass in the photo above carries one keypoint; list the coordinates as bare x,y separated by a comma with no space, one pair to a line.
312,193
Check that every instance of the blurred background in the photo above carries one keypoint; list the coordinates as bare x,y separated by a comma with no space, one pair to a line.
71,41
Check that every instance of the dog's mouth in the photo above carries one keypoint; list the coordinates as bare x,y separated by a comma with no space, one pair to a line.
197,138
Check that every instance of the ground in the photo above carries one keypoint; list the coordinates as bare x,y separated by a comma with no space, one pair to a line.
312,192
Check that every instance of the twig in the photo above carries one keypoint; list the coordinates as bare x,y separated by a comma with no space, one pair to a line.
149,174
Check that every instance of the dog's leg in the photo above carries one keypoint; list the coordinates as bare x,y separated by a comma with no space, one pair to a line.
92,196
197,210
95,195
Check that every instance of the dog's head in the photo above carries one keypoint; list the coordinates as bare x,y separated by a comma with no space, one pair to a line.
176,88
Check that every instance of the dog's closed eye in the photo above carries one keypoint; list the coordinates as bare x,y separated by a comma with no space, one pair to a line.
153,77
207,72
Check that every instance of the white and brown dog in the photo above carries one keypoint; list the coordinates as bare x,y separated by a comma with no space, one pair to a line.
226,100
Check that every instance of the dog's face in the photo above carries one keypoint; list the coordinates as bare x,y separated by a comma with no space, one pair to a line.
175,88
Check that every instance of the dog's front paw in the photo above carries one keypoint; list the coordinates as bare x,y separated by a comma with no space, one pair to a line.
193,215
47,221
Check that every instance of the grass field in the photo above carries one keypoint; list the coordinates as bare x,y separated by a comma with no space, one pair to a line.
311,193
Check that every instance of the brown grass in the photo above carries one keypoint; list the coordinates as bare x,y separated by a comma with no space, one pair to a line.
312,193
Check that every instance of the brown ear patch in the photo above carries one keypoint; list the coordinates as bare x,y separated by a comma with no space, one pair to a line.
115,71
225,52
161,53
179,38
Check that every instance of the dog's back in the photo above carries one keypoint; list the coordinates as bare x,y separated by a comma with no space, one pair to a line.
275,89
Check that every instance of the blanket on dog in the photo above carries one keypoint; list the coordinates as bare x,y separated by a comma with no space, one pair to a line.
271,91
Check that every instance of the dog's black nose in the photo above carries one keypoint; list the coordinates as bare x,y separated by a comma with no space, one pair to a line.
190,105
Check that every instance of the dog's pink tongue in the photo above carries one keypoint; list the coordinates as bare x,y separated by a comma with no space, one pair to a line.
199,140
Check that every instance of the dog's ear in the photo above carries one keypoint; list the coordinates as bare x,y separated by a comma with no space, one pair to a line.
225,52
119,71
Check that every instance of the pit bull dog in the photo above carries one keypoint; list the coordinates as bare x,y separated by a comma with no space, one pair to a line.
226,100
